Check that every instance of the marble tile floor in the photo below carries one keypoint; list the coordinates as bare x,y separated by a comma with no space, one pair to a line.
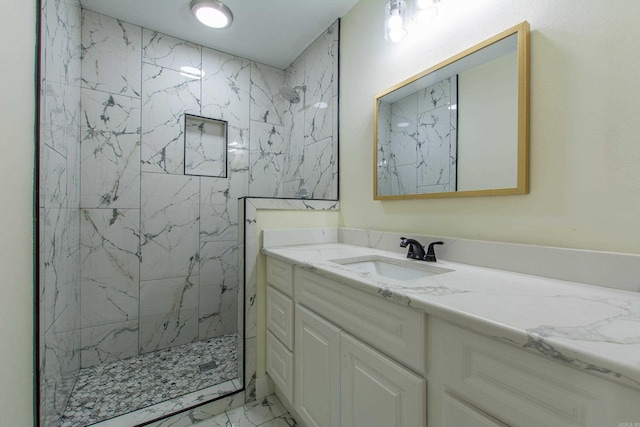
105,391
267,413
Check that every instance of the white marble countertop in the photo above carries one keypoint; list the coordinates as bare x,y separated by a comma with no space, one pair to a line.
592,328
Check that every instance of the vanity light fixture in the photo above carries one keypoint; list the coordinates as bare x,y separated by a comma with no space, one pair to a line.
212,13
424,10
395,20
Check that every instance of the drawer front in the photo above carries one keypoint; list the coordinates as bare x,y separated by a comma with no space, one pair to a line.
520,388
397,331
280,275
280,316
280,366
456,413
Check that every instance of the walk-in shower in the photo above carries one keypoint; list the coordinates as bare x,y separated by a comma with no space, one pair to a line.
141,308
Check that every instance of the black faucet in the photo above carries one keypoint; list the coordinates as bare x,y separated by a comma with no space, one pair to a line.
431,253
416,250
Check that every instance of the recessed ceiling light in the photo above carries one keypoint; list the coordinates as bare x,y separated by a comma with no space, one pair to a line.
212,13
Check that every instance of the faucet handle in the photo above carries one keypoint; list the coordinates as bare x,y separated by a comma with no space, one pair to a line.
431,253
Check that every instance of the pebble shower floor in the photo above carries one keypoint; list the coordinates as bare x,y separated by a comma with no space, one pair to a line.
105,391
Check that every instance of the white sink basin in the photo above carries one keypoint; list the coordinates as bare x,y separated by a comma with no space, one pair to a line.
392,268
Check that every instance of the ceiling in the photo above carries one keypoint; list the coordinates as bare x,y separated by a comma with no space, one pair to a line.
273,32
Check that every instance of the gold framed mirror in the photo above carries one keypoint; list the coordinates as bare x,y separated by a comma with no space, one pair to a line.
459,128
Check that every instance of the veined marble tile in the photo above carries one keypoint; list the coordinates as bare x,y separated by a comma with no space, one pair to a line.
110,240
111,52
61,276
53,179
257,414
110,150
267,105
168,313
435,96
250,368
62,363
384,122
61,41
319,75
53,117
59,145
403,179
404,130
291,189
166,97
108,343
202,413
225,88
218,297
435,188
320,169
218,200
294,142
166,51
266,159
294,126
169,216
72,140
434,152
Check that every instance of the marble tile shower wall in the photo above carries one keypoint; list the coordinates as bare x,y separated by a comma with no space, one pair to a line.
59,213
159,248
311,126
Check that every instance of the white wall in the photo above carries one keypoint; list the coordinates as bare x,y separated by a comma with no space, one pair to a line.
585,122
487,149
17,111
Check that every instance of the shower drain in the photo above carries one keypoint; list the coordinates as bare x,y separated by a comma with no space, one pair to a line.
207,366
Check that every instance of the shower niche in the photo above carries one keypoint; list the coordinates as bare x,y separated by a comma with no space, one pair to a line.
205,146
141,167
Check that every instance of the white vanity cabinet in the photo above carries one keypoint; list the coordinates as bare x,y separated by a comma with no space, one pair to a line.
344,357
354,370
280,335
477,381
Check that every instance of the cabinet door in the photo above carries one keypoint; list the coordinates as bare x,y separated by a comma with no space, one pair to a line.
317,370
377,391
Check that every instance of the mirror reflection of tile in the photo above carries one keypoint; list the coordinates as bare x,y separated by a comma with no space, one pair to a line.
205,146
421,153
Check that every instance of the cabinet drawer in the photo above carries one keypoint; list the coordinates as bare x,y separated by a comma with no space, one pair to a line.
520,388
280,366
397,331
280,275
456,413
280,316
